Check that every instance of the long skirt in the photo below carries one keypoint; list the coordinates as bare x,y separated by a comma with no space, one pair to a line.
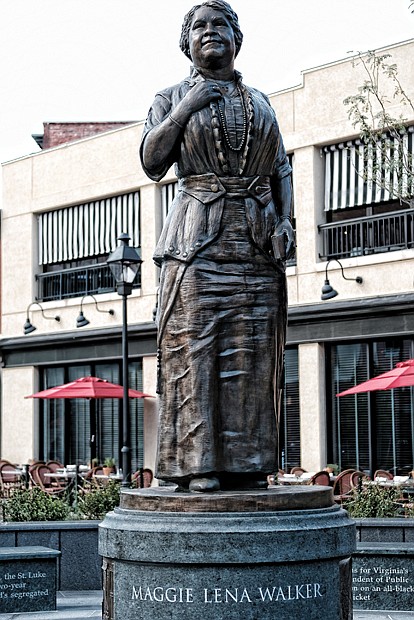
221,361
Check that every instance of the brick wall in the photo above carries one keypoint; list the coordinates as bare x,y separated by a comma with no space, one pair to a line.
61,133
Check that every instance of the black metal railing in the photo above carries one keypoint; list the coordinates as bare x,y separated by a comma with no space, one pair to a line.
76,282
368,235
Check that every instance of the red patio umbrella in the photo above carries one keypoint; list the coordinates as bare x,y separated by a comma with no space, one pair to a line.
88,387
400,376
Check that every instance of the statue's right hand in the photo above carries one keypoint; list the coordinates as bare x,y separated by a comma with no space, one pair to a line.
199,96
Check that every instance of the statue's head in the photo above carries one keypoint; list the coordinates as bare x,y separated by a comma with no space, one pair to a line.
218,5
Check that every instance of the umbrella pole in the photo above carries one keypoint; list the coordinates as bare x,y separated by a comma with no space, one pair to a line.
75,494
394,452
92,424
412,423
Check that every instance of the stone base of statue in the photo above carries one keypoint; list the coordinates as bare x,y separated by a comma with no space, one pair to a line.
280,553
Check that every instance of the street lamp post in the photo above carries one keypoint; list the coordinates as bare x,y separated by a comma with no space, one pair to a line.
125,262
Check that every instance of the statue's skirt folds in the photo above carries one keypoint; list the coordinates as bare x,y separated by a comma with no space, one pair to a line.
219,357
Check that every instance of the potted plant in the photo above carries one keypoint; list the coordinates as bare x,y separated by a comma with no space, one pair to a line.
109,466
332,468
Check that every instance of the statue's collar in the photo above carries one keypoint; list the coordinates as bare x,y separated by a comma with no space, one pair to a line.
196,76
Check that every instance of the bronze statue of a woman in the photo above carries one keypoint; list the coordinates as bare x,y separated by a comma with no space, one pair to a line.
222,304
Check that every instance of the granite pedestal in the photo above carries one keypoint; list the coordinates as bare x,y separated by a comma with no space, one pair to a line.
258,555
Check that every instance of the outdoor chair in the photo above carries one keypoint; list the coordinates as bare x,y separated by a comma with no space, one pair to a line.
47,484
357,479
298,471
88,482
4,462
54,465
343,486
271,481
147,477
321,478
383,473
35,464
98,470
9,479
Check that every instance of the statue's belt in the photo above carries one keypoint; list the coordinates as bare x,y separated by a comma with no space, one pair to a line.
209,187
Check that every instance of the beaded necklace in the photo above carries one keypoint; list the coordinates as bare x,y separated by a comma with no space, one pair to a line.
234,147
218,133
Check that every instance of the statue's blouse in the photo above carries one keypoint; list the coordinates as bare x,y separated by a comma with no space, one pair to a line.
249,121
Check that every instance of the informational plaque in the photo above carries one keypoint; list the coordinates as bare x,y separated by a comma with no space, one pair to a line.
27,579
384,580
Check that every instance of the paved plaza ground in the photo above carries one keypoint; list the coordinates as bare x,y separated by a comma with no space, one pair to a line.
80,605
70,606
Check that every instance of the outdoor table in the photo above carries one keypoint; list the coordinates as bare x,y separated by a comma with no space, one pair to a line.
68,476
117,477
406,486
291,479
13,472
65,475
392,483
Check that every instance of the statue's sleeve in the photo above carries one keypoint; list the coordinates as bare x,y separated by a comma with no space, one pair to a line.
282,166
157,113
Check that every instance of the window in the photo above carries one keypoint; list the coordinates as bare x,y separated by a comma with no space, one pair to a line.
362,188
74,243
372,430
77,430
89,229
168,193
290,414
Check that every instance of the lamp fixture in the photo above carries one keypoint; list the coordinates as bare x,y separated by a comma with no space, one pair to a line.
328,292
81,320
125,263
28,327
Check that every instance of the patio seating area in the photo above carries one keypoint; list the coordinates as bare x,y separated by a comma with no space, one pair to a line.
348,481
58,480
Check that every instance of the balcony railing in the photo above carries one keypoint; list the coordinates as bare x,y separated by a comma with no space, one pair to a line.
76,282
368,235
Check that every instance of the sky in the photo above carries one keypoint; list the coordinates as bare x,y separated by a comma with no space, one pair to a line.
103,60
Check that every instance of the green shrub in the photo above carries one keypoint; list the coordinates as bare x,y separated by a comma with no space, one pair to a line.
97,502
373,501
409,511
34,505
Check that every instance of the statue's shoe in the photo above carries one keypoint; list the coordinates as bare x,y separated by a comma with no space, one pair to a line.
204,485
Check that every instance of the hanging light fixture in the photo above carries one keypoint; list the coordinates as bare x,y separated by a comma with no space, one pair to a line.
28,327
81,320
328,292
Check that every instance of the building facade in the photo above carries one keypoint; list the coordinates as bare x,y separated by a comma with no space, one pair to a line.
63,209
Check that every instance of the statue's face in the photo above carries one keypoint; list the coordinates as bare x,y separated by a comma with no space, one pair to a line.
211,39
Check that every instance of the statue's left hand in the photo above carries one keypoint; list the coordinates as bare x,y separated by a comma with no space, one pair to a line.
284,227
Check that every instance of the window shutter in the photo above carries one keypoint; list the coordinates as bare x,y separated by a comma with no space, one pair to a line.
168,193
347,163
290,417
88,229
